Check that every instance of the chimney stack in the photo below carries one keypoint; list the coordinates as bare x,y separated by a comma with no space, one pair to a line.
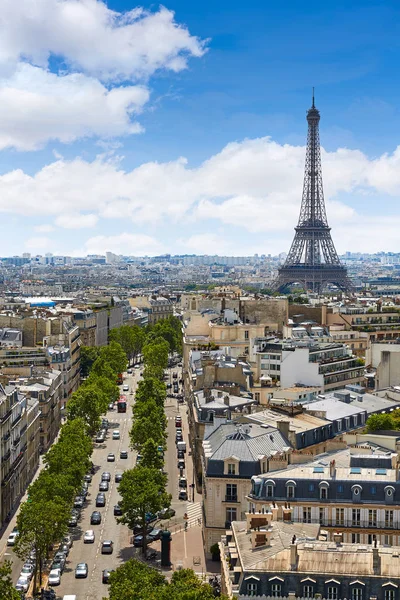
376,560
293,554
283,427
226,400
332,468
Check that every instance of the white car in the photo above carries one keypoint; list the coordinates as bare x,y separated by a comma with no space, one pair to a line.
22,584
54,577
125,388
115,435
27,570
12,538
88,538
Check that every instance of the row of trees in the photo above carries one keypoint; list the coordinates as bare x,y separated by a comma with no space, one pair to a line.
43,518
390,421
135,580
143,488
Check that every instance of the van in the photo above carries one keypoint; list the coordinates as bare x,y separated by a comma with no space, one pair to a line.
181,446
69,597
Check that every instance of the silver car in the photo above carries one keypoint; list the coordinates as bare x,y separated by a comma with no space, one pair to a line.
81,570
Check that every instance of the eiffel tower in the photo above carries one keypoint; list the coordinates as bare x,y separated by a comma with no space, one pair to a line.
312,259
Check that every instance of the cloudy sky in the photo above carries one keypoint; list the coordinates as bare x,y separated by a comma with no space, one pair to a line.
181,128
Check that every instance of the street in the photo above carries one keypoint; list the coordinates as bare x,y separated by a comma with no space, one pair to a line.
92,588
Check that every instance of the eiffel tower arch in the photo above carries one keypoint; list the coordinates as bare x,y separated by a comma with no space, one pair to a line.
312,259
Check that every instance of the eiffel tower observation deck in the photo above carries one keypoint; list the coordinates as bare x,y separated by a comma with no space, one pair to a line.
312,260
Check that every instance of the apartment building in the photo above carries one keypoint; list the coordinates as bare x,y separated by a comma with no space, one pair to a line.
47,388
266,556
19,446
232,454
357,495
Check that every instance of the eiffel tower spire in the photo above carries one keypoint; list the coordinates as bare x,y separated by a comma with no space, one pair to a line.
312,259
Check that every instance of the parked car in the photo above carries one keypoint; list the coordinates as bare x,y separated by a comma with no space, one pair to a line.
106,575
154,535
115,435
58,564
73,521
87,478
88,538
27,570
117,510
118,477
182,495
111,406
166,513
67,541
78,502
106,476
180,454
138,529
103,486
107,547
178,437
81,570
123,454
138,541
12,538
22,584
110,457
64,548
183,482
181,463
100,438
100,500
54,577
95,518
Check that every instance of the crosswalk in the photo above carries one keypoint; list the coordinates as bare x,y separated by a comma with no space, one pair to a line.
194,513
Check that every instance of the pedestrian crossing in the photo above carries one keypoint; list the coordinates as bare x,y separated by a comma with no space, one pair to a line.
195,513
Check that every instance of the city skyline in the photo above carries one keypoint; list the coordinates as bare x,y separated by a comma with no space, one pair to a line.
194,144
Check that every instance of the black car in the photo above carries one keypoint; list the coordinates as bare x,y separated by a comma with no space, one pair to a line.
100,499
95,518
106,476
138,529
73,521
103,486
58,564
180,454
106,575
118,477
87,478
154,535
117,510
123,454
178,437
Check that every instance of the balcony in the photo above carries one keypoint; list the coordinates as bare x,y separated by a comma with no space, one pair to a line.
6,416
16,420
6,436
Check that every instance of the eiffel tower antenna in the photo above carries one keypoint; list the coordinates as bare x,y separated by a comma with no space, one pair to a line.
312,258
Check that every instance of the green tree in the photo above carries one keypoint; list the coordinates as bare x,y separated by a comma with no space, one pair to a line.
7,589
145,428
134,580
88,357
101,368
40,523
152,371
142,491
70,455
376,422
151,388
88,403
151,455
130,338
155,353
106,385
50,486
114,356
149,408
185,585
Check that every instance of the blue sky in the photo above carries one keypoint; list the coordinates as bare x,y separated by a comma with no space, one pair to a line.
182,128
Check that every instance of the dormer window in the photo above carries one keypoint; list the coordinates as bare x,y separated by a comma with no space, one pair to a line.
231,469
389,494
290,488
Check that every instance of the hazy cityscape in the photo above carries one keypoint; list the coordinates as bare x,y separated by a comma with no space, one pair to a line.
199,301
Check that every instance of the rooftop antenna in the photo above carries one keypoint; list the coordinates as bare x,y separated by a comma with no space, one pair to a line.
313,103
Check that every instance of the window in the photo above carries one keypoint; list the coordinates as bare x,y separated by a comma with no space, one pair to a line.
323,493
372,518
388,540
251,589
339,428
311,487
389,595
270,490
231,492
231,515
373,489
388,518
246,350
332,593
307,514
308,591
355,538
246,334
321,516
356,594
355,470
231,469
340,516
381,471
290,491
276,590
356,517
257,396
340,488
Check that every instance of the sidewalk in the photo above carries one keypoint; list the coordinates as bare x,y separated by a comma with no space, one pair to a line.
187,552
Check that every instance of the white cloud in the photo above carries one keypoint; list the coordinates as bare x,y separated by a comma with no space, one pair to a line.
76,221
37,106
254,186
45,228
124,243
92,38
37,244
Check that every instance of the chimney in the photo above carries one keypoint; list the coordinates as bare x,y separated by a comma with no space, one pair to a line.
226,400
376,561
274,510
332,468
283,427
219,394
293,554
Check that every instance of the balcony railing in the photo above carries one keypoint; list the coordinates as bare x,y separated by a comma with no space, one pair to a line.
16,420
384,524
6,416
